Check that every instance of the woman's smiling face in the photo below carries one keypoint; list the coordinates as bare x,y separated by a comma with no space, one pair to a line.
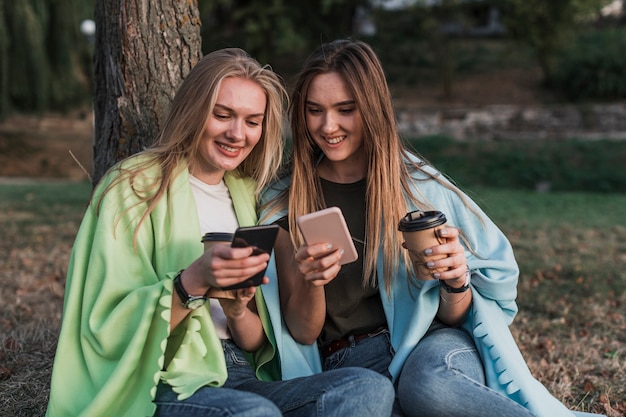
333,119
233,129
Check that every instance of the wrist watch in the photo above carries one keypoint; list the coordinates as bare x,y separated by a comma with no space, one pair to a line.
190,302
453,290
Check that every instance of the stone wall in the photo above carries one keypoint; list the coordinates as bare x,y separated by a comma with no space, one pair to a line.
509,122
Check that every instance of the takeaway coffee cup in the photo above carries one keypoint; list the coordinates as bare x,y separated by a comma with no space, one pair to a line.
212,238
419,229
209,240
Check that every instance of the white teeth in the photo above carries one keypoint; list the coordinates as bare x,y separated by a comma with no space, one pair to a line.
228,148
334,141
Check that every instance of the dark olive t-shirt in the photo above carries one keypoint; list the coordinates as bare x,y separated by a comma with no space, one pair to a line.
350,308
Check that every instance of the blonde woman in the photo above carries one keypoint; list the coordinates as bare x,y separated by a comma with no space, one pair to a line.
443,341
139,335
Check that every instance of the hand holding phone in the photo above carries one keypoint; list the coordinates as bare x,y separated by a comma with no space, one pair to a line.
262,239
328,226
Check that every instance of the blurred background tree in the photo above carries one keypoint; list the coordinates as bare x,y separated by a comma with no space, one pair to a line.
45,62
42,55
428,40
547,27
280,32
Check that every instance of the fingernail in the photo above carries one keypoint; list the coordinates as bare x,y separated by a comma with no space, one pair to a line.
329,246
341,251
443,232
428,251
436,275
430,264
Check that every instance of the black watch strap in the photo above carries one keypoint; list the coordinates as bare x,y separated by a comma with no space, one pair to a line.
190,302
453,290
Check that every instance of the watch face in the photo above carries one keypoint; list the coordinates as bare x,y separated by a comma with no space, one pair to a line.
195,302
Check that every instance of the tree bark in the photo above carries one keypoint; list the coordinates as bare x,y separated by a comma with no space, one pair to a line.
143,50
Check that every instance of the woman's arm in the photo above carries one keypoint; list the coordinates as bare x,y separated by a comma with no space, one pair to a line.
221,266
301,279
243,321
454,304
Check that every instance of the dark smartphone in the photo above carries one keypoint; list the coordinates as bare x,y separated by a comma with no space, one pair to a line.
262,239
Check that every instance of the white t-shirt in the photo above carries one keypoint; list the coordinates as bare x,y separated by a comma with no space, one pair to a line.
216,214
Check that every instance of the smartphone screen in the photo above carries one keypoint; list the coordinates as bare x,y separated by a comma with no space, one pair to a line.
262,239
328,226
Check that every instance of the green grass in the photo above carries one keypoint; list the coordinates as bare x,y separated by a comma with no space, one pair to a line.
571,248
560,165
41,198
579,239
31,209
524,208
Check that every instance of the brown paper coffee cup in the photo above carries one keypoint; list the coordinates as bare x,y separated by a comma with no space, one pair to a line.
419,229
209,240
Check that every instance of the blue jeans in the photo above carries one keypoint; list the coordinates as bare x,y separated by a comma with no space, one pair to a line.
443,376
213,402
340,393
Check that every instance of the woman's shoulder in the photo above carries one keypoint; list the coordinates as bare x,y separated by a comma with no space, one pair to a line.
426,181
137,172
421,170
276,187
146,165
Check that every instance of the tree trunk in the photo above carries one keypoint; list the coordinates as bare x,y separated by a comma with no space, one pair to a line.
143,50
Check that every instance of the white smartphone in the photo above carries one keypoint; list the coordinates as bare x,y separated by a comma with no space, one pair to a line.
328,226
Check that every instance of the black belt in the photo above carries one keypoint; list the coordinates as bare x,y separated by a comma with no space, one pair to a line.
338,344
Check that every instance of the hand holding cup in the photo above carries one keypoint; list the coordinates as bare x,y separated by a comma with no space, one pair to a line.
420,231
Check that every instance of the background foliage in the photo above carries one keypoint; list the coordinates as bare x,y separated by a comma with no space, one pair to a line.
45,62
593,67
546,26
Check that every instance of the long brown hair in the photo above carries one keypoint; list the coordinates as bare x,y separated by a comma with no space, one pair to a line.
180,136
389,176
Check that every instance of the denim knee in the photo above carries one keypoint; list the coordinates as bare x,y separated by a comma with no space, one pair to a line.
213,402
362,392
444,375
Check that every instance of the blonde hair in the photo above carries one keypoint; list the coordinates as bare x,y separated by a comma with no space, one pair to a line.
389,176
181,134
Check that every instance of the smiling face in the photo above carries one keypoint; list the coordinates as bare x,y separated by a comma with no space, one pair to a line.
232,130
334,122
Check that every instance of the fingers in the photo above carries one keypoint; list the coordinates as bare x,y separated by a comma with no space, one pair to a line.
319,250
319,264
225,266
455,262
453,272
245,294
451,246
230,253
234,262
322,277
